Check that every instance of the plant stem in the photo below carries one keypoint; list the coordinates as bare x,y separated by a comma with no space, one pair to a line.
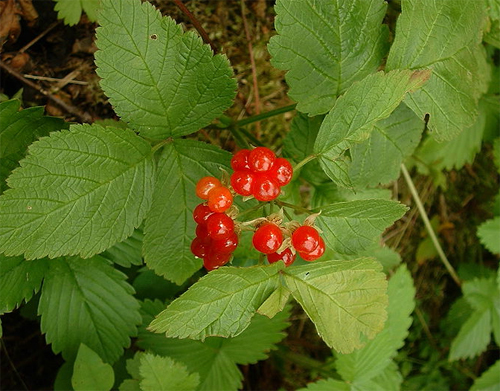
428,226
292,206
268,114
156,147
304,161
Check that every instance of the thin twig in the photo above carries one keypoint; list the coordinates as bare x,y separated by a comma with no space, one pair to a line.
254,68
197,25
85,117
55,79
428,226
12,365
41,35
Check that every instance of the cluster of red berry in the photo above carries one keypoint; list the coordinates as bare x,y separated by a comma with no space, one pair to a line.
215,238
305,239
260,173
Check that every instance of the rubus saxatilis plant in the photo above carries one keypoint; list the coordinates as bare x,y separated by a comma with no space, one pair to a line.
79,202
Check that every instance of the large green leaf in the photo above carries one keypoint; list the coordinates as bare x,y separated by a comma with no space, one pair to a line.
371,360
355,113
90,373
378,159
18,129
19,280
87,301
163,82
439,35
164,374
169,227
346,300
216,359
326,46
71,10
222,303
77,192
489,379
352,226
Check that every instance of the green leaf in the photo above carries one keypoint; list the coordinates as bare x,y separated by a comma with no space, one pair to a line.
77,192
371,360
90,373
275,302
169,227
18,129
19,280
439,35
355,113
329,193
345,299
352,226
489,379
71,10
488,234
299,142
87,301
222,303
327,385
378,159
163,82
164,374
326,46
128,252
216,359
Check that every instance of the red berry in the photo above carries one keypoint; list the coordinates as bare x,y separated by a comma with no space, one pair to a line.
242,182
265,188
282,171
313,255
305,239
220,199
200,247
220,226
201,231
261,159
286,256
240,160
267,238
201,213
213,261
225,246
205,185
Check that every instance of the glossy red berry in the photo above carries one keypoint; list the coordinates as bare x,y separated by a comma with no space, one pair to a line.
282,171
201,213
205,185
239,161
220,226
261,159
313,255
200,247
226,245
201,231
305,239
267,238
265,188
286,256
220,199
213,261
242,182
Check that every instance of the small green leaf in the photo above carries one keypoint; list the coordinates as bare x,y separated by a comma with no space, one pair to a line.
77,192
329,193
275,302
71,10
489,379
327,385
90,373
220,304
352,226
169,227
19,280
370,361
488,233
87,301
346,300
164,374
163,82
18,129
340,42
439,35
128,252
299,142
355,113
473,337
